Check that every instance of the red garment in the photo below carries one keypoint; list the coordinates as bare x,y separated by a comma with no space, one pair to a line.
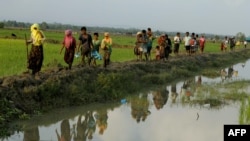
68,39
202,42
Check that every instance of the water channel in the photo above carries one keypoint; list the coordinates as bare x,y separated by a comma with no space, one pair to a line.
194,109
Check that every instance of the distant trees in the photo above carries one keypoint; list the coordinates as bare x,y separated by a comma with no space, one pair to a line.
1,25
217,38
240,37
44,26
59,26
16,24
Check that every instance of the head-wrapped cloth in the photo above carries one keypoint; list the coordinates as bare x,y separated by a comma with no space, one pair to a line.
68,32
68,39
36,35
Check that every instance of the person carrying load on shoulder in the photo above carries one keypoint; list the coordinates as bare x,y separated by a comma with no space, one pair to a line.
106,46
35,57
69,43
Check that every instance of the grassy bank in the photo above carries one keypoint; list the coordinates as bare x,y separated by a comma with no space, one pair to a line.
58,87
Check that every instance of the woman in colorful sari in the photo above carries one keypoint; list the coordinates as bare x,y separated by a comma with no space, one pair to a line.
95,51
35,58
69,43
137,48
162,44
106,46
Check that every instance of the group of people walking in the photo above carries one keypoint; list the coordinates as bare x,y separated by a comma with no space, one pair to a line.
194,43
144,41
89,49
231,43
92,49
144,44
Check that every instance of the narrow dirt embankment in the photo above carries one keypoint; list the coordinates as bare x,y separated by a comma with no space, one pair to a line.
24,94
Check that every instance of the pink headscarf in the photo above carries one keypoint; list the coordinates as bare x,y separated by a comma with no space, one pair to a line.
68,39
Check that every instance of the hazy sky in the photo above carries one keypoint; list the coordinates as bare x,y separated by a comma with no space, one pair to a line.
224,17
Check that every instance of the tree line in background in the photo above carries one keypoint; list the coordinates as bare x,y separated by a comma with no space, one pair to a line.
130,31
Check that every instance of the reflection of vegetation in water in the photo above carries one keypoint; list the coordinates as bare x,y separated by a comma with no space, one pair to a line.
210,73
213,94
244,117
31,134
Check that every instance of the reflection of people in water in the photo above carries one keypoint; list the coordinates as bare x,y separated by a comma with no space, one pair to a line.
199,81
102,120
174,93
31,134
86,126
197,88
91,125
139,108
65,131
223,74
186,89
230,72
243,65
81,129
160,98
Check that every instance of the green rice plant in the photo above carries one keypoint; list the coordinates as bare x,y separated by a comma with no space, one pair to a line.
244,116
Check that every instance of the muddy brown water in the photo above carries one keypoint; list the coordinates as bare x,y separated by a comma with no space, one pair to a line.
164,114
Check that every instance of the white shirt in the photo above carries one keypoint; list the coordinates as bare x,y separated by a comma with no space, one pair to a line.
187,40
225,43
177,40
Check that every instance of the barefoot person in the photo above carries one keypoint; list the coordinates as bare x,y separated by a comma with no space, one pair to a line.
177,41
145,44
69,43
187,39
150,42
106,46
162,44
245,44
35,59
95,51
137,48
202,42
85,45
